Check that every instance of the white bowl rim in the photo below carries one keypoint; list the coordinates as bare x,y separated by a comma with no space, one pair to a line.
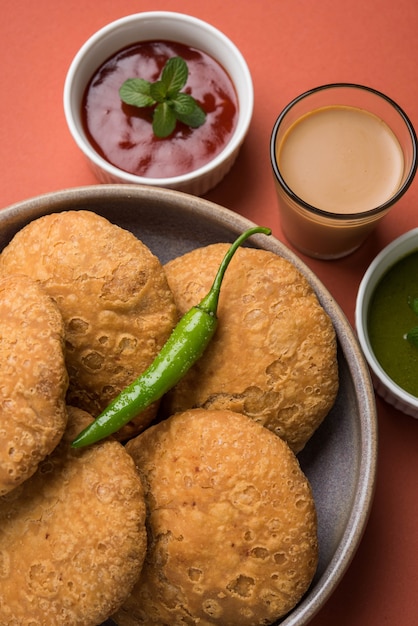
386,258
244,115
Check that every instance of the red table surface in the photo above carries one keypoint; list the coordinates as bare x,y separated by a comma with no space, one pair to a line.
290,46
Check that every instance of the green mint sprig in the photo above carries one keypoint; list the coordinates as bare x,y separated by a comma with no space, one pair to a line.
171,104
412,335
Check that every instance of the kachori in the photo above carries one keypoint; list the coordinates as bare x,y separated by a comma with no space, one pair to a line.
274,354
112,293
72,537
232,528
33,379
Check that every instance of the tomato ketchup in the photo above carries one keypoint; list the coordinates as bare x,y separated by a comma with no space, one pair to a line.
122,134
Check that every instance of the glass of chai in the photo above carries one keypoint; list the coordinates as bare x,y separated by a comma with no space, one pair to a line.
342,156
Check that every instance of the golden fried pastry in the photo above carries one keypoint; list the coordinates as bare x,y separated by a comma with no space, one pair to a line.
273,356
113,295
232,526
33,379
72,537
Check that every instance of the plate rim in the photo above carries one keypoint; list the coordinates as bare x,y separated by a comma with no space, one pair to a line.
323,588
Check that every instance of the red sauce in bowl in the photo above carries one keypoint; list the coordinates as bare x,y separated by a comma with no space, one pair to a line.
122,134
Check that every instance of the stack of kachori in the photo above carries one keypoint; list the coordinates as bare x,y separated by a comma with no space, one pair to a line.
84,308
196,512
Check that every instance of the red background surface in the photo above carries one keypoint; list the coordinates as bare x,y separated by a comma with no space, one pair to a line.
290,46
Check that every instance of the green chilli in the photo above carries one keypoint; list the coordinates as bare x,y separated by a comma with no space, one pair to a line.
185,346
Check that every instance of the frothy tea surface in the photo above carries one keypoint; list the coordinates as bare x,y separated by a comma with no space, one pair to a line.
341,159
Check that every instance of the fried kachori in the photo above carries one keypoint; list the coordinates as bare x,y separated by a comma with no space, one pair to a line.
72,537
274,354
112,293
232,528
33,379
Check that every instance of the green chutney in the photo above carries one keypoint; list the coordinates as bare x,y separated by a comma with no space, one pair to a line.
391,317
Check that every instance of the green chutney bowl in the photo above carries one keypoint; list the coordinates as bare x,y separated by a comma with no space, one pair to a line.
384,385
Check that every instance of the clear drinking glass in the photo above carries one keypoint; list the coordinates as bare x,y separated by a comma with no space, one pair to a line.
333,231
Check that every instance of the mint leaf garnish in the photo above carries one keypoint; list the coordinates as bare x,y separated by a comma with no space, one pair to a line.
174,75
164,120
165,95
186,111
158,91
136,91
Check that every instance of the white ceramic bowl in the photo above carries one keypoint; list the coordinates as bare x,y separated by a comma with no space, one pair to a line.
169,26
384,385
340,459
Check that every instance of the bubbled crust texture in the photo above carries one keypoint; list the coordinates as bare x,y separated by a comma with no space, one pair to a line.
112,293
273,357
72,537
33,379
231,524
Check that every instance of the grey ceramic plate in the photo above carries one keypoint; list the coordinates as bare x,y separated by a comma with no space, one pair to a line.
340,460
